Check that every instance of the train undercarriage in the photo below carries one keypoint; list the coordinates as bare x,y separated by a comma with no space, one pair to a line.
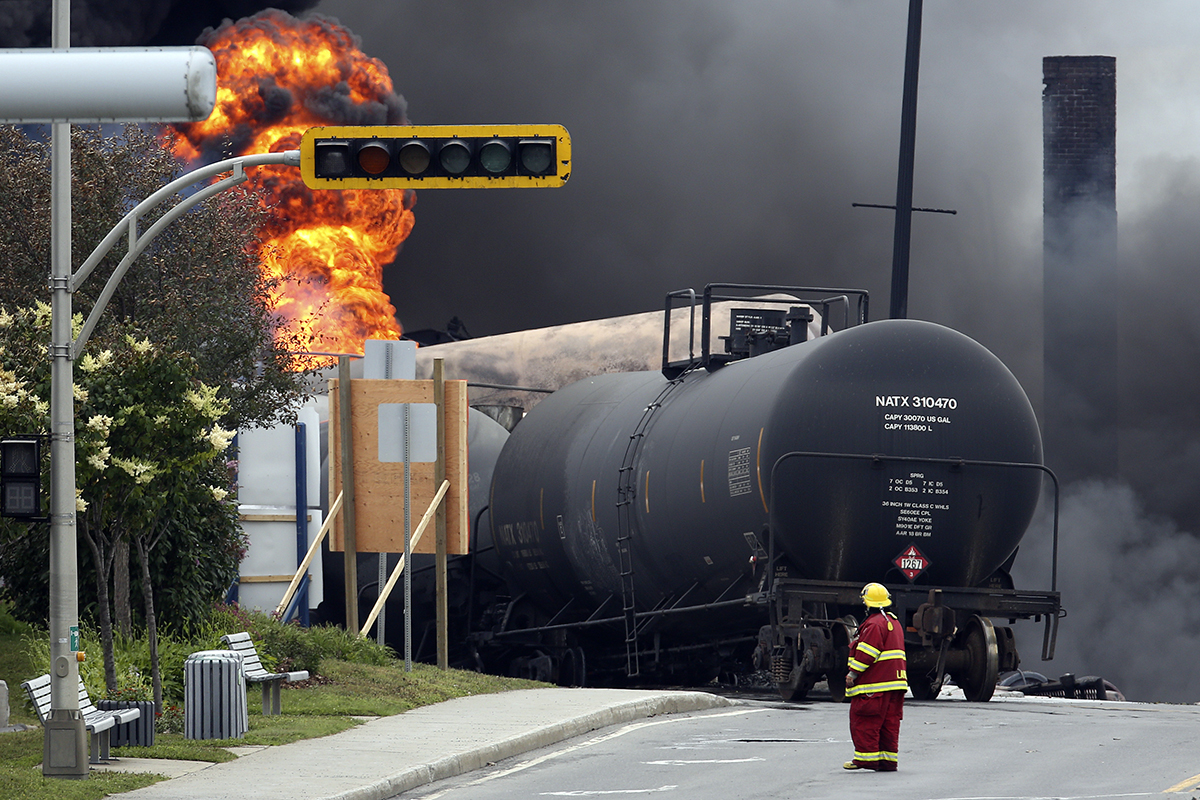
948,632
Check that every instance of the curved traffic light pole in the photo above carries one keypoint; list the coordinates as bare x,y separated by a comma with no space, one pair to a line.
139,242
65,751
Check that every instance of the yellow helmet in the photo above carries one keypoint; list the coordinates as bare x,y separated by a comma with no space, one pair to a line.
875,595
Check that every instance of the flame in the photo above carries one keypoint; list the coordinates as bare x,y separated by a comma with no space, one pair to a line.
277,76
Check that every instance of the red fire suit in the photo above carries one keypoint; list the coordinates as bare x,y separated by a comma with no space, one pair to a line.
880,678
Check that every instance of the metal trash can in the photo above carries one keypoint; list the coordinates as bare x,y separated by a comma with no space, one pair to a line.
140,732
214,696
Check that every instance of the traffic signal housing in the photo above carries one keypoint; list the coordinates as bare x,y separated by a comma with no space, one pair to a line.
435,156
21,478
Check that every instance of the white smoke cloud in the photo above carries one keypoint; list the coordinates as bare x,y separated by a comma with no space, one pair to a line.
1130,581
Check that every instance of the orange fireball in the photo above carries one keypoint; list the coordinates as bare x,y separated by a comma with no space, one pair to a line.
277,76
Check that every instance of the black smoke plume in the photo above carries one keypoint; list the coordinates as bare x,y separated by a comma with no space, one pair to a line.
126,23
726,142
718,141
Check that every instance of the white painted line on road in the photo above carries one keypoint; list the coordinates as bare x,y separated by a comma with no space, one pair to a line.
590,792
678,763
533,762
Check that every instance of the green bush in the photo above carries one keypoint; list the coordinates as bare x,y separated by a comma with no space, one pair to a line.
334,642
287,646
10,625
281,646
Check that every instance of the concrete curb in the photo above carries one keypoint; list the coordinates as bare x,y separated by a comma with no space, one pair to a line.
460,763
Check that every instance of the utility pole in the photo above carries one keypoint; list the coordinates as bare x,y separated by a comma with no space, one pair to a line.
904,175
902,236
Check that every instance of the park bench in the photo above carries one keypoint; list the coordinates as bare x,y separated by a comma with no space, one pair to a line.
97,722
254,672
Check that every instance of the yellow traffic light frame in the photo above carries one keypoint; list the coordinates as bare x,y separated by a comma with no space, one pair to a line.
440,133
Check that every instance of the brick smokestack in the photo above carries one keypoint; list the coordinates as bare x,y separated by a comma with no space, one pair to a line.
1079,133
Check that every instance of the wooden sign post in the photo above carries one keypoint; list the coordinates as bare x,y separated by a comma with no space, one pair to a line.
372,520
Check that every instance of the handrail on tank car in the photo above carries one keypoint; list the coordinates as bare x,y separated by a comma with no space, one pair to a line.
667,309
641,615
826,298
593,620
879,457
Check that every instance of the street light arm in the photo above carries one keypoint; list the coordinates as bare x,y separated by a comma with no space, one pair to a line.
137,244
141,243
289,158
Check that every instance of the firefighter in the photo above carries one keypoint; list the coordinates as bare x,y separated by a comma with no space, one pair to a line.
875,684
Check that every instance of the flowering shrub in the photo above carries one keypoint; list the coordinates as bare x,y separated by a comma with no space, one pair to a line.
169,720
150,469
144,424
131,685
130,693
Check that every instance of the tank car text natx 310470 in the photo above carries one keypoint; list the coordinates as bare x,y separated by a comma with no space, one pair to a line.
729,507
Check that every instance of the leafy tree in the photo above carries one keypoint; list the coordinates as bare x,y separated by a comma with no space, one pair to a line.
197,288
150,464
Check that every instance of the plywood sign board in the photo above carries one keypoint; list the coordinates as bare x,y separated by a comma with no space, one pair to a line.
379,485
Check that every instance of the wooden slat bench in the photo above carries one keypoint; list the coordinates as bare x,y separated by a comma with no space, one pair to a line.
97,722
253,669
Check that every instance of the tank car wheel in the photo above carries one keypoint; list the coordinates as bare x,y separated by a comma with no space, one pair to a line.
796,686
843,633
573,670
982,657
922,686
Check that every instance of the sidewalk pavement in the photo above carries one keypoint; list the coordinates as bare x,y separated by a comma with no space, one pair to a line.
389,755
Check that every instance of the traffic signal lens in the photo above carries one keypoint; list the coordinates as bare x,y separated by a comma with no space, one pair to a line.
332,159
414,158
537,156
455,157
19,457
374,157
21,499
20,478
495,156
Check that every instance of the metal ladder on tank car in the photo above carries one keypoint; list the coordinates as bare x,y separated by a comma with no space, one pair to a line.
626,494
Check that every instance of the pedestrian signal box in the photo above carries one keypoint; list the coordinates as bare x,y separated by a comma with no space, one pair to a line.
435,156
20,478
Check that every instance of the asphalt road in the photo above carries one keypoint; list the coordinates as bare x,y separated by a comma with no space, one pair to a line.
949,749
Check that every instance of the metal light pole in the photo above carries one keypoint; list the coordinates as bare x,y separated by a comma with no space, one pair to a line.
65,747
60,87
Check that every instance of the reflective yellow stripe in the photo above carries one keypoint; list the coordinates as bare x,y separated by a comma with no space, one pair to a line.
871,688
857,665
884,755
889,655
887,686
868,649
859,756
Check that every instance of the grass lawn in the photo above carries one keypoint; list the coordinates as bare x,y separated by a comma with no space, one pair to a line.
15,667
310,711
